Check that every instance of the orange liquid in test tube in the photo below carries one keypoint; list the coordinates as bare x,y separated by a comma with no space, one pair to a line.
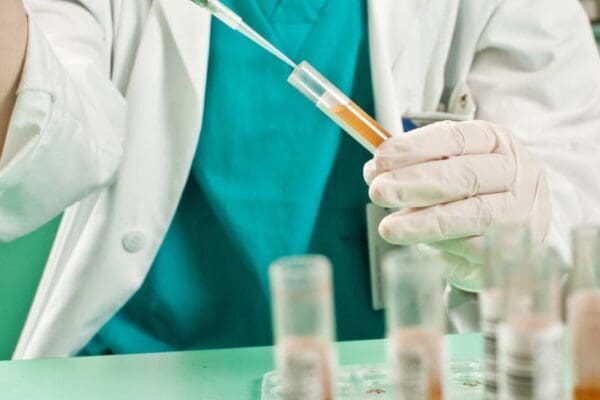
362,124
587,393
337,106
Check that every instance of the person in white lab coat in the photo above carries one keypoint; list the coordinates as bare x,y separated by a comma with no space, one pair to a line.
106,118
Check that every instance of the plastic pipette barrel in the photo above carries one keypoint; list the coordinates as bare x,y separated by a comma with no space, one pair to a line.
337,106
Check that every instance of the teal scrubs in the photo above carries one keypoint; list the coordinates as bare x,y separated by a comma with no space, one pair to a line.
271,177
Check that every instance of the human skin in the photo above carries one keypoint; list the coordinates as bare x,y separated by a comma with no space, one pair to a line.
13,44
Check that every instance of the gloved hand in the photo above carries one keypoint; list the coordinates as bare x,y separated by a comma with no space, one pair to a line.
453,181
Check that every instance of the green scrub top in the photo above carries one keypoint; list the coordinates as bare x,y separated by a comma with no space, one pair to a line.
272,177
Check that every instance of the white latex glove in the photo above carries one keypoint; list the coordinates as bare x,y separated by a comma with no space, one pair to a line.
454,181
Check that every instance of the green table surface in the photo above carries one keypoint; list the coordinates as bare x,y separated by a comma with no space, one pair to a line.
232,374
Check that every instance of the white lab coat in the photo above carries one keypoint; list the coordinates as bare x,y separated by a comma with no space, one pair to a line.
112,98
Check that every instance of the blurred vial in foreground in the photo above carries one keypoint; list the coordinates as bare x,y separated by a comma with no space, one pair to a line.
504,247
415,319
530,339
303,319
584,313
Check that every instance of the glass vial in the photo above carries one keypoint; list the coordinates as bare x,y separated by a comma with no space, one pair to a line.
584,313
303,318
504,247
415,319
530,339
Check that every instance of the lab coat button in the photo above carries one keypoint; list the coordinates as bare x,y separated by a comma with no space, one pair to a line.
134,242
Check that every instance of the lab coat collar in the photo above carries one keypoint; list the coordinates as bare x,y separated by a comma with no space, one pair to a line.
190,27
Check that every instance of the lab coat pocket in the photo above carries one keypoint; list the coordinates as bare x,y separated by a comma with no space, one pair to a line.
460,107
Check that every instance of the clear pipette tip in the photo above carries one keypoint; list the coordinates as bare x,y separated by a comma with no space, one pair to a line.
235,22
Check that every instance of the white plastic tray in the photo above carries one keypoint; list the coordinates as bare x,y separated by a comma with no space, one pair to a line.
364,382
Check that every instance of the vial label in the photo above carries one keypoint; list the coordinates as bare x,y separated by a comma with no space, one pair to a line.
491,317
415,363
532,363
490,345
411,374
305,367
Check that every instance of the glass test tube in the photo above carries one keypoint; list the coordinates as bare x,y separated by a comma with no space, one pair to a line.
584,313
415,318
530,339
304,327
504,247
337,106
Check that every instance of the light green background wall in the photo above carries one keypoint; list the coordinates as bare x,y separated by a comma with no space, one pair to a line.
21,266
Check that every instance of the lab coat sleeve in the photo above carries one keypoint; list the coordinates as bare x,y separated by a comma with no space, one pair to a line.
64,137
537,71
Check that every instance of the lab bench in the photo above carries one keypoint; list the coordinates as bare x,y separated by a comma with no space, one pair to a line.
231,374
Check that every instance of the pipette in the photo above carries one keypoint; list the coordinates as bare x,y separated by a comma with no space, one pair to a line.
235,22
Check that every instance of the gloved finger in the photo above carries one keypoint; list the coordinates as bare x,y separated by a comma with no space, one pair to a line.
440,182
370,171
438,141
471,248
459,219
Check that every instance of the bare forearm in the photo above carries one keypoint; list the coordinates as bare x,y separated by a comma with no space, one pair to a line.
13,42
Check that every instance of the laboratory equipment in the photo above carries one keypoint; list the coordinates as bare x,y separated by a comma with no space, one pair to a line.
414,319
304,327
504,246
372,381
530,338
584,313
235,22
328,98
337,106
